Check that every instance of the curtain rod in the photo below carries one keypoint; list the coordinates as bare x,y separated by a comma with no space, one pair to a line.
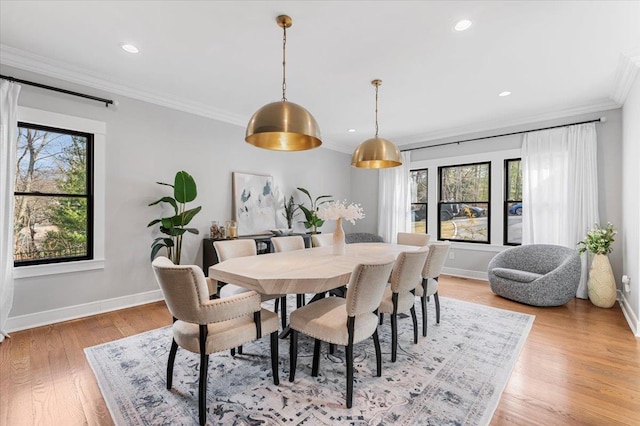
597,120
106,102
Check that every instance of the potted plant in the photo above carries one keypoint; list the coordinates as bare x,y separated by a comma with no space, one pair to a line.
311,214
175,226
601,284
290,211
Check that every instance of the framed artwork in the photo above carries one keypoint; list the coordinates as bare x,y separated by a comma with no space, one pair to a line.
254,203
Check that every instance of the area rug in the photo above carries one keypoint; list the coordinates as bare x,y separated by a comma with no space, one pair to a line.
455,376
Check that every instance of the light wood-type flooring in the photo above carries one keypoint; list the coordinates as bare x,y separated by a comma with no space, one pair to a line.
579,366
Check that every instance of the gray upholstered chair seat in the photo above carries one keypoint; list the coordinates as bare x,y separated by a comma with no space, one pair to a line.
362,237
326,320
536,274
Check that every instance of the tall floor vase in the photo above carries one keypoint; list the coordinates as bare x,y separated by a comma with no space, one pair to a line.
601,284
339,245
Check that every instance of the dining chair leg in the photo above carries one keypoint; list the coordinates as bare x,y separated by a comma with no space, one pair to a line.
376,344
394,337
172,358
202,383
283,312
274,358
437,300
332,348
293,354
240,350
349,351
276,305
233,351
423,301
381,319
415,324
316,357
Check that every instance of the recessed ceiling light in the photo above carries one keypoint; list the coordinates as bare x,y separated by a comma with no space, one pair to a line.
503,94
351,130
462,25
129,48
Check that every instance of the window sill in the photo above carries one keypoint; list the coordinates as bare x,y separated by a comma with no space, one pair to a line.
57,268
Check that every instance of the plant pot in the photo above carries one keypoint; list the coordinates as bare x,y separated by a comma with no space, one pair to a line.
601,284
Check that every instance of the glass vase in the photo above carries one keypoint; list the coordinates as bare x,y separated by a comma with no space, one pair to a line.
339,245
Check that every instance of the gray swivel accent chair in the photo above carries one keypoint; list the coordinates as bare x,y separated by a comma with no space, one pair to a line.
536,274
362,237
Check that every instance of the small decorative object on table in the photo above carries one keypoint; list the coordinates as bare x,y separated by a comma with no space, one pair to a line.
232,229
601,284
337,211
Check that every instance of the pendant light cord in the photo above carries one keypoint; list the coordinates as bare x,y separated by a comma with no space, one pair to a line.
284,64
376,110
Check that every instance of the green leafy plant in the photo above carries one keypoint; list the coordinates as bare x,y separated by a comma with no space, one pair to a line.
290,210
311,214
598,240
174,227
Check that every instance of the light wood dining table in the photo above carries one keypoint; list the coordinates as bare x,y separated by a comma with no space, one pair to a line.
314,270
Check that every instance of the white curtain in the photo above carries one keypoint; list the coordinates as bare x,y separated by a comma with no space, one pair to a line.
8,135
560,188
394,200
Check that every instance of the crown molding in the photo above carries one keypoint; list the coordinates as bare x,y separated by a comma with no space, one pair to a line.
46,66
626,72
485,126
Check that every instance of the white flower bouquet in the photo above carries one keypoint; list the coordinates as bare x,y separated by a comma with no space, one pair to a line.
598,240
339,209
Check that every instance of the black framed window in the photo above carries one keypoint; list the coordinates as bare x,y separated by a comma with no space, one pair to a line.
53,213
513,202
418,187
464,202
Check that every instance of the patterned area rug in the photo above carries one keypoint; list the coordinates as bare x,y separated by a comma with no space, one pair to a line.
454,376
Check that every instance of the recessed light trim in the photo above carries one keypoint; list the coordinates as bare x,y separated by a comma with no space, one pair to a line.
351,130
503,94
462,25
130,48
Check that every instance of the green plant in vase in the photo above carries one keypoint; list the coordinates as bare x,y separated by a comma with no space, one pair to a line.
312,221
290,211
174,227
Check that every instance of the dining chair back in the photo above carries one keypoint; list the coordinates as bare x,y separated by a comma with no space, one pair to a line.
322,240
413,239
289,243
436,259
204,326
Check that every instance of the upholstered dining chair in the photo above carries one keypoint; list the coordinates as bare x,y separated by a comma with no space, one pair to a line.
343,321
413,239
290,243
398,297
322,240
204,326
429,286
229,249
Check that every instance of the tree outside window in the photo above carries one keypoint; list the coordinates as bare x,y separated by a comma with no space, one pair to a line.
464,207
418,187
513,202
53,196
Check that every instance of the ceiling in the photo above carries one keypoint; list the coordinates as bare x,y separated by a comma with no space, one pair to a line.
223,59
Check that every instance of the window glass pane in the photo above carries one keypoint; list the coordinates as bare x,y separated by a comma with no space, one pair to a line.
419,186
50,228
464,202
419,218
513,214
51,162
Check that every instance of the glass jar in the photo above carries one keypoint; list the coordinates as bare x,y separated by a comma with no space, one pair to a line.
232,229
214,231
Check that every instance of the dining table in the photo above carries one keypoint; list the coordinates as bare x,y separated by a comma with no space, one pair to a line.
313,270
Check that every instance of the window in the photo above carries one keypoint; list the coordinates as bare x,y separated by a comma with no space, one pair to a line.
418,183
53,215
513,202
464,207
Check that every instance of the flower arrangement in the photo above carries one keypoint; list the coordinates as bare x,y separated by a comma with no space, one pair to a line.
598,240
340,210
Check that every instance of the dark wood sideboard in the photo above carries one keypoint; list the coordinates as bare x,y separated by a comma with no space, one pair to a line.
263,245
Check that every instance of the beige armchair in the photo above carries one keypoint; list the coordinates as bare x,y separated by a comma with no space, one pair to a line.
429,286
413,239
398,298
343,321
322,240
204,326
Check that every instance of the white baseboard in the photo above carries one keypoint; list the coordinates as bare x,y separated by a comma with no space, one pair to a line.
629,314
52,316
465,273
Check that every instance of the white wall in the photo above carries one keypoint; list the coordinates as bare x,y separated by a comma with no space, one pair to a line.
146,143
630,238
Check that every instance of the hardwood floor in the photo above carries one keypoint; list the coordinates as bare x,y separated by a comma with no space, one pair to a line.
579,366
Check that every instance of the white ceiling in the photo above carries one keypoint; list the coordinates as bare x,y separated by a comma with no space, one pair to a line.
223,59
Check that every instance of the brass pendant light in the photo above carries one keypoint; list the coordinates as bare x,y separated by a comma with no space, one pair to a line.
376,153
283,125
